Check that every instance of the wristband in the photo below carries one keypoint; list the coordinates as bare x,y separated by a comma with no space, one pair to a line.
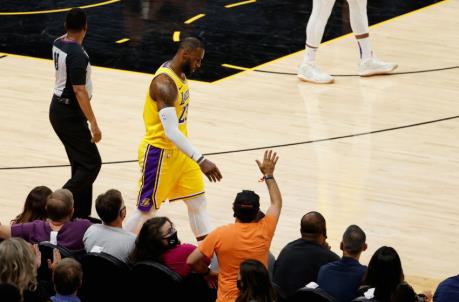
266,177
201,159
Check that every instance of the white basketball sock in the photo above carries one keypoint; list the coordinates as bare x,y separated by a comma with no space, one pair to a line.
365,49
309,55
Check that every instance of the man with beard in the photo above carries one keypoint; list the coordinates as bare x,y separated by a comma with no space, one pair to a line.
171,166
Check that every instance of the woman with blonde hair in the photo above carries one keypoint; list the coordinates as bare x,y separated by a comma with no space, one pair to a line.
18,266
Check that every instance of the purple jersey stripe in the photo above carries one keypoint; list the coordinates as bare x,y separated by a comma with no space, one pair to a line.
150,177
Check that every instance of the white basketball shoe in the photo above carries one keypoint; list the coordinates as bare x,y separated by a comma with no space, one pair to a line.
309,72
373,66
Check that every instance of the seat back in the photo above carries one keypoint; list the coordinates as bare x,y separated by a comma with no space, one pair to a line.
281,297
44,274
105,278
194,285
9,293
165,284
306,294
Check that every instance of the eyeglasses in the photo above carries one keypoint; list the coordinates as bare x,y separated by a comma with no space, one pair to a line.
170,232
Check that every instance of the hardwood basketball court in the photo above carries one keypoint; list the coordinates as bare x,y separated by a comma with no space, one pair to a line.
379,152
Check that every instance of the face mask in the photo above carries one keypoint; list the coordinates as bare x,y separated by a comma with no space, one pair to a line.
239,284
172,240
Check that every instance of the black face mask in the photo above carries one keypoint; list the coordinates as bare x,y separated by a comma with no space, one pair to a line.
172,240
239,284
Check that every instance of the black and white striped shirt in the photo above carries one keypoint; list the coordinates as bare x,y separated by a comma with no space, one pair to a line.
72,68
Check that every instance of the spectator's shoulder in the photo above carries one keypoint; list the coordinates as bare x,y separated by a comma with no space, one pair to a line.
329,265
269,218
187,246
333,255
83,222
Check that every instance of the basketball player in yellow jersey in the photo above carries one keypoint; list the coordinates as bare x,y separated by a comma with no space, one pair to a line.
171,166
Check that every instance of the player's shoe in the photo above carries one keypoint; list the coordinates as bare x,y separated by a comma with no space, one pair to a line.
373,66
309,72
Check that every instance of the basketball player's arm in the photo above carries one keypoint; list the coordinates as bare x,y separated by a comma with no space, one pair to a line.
267,167
83,100
164,91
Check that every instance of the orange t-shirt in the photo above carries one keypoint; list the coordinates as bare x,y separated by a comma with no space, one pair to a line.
234,243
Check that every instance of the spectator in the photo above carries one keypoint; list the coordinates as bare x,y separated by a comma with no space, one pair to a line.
18,266
384,280
384,273
67,278
299,261
248,238
34,206
342,278
59,228
254,283
448,290
110,237
158,241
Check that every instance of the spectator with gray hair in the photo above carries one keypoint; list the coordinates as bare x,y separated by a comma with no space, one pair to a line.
342,278
59,228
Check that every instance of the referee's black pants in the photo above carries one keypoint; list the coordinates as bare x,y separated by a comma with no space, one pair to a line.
72,129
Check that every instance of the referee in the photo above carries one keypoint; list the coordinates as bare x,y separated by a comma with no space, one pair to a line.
70,111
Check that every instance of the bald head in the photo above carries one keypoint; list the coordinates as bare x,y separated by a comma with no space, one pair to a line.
313,227
59,205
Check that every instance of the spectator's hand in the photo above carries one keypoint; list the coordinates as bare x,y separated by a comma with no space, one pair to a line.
96,133
56,259
428,295
269,163
212,279
37,253
210,170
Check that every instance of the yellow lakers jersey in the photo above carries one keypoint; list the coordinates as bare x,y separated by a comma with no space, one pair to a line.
155,135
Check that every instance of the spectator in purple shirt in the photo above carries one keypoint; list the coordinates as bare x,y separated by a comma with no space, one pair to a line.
58,228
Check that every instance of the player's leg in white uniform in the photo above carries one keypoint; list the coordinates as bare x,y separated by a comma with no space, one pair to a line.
198,217
369,64
308,71
136,220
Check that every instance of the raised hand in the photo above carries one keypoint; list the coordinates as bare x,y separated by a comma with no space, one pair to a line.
268,165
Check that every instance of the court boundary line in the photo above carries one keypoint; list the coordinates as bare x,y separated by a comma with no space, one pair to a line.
356,75
264,147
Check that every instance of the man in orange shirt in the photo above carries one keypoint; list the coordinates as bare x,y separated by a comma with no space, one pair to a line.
248,238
